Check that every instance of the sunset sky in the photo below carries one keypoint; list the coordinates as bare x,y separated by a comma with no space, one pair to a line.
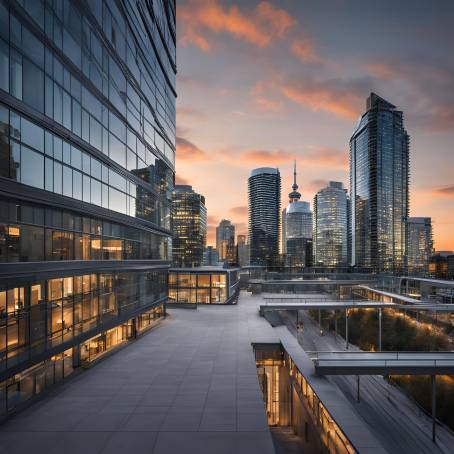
262,83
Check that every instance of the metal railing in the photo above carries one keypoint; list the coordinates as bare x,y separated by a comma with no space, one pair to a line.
434,359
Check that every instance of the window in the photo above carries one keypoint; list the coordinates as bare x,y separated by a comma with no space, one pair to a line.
32,135
77,185
32,243
49,174
35,294
58,183
4,65
95,192
117,201
33,86
32,168
203,280
15,74
117,150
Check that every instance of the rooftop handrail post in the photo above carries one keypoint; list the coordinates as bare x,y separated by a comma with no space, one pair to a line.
434,406
346,329
379,328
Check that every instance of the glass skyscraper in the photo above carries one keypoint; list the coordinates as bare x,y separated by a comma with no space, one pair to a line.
331,226
225,241
297,230
379,174
189,226
264,196
87,150
420,245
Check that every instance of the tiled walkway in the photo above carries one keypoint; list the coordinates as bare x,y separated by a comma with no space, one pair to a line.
188,387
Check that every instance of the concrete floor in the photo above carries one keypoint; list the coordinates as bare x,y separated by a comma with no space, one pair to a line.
189,386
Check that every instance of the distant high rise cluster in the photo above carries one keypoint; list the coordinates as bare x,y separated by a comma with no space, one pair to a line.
367,230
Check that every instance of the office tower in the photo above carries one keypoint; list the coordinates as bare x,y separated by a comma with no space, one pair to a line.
379,174
283,231
420,246
87,97
225,241
331,226
189,224
264,193
242,250
298,230
441,265
210,256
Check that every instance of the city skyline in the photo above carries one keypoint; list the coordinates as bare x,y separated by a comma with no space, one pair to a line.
307,109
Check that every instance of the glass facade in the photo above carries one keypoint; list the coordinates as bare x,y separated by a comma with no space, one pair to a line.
331,226
291,401
264,196
203,286
379,174
420,245
189,226
30,382
87,152
225,241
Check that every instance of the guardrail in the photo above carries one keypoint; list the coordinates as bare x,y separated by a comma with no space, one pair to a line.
434,359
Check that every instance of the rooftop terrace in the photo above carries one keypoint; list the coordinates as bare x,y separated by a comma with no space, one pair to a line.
188,386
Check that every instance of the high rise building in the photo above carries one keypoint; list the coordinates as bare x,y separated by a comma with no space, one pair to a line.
87,97
379,174
242,250
225,241
441,265
189,224
264,192
420,245
298,230
210,256
331,226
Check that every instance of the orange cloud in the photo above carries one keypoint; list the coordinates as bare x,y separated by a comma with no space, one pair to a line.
324,156
258,27
325,98
189,112
266,157
381,70
446,191
188,151
304,51
268,104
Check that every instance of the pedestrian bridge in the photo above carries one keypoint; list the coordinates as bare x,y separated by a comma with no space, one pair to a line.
383,363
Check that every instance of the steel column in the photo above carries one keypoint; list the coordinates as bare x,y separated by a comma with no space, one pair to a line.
357,389
379,328
434,406
346,329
